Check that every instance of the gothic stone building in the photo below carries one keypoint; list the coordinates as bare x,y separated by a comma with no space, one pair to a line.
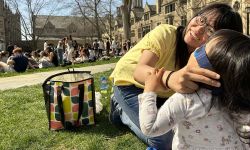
54,28
10,28
175,12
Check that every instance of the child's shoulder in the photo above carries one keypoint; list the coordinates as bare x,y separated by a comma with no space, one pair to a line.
202,93
200,100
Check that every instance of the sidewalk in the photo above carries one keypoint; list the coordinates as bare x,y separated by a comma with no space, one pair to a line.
36,78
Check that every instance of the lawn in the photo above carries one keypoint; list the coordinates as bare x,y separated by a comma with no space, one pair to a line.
30,71
24,125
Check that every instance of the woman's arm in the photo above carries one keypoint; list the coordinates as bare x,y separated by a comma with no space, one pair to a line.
186,79
146,64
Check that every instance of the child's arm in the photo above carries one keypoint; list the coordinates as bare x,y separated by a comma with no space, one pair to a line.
177,108
155,122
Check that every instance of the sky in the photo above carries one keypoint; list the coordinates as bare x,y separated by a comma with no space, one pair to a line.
152,2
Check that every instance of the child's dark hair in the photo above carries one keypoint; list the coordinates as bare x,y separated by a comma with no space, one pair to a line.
227,19
230,57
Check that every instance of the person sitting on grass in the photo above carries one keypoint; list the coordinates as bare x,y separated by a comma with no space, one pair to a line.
33,64
82,56
44,61
16,63
4,55
210,118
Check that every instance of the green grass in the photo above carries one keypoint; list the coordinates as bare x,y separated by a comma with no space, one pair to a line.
30,71
24,125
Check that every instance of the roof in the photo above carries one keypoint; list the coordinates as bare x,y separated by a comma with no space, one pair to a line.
138,12
59,21
152,7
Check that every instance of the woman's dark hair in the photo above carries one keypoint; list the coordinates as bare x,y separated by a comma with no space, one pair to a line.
230,57
181,54
227,19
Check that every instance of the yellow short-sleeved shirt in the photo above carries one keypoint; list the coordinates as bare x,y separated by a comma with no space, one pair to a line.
161,41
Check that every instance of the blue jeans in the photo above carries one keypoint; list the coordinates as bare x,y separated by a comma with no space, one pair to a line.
127,99
60,56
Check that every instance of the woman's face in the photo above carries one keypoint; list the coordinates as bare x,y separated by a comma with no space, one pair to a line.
199,29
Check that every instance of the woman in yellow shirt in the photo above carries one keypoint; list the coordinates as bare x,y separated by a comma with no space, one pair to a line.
169,47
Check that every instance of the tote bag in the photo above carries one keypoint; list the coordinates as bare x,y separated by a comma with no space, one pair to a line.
70,100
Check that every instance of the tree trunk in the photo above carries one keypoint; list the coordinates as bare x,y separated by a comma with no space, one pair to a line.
126,21
33,32
97,21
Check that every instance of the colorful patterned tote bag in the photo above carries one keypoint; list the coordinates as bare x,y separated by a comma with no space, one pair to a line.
70,100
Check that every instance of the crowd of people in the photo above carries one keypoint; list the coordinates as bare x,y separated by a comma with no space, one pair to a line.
66,52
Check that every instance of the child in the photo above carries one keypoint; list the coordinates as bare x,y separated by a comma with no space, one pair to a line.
203,120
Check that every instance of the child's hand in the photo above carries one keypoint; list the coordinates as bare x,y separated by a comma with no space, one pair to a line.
153,82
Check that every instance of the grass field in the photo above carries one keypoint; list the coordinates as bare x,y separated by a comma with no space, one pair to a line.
24,125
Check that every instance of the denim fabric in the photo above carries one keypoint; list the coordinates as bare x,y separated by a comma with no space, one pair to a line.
60,56
127,98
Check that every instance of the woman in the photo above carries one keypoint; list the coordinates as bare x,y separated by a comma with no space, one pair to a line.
169,47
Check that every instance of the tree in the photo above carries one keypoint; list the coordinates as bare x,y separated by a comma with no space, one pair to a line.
28,11
126,9
98,13
89,11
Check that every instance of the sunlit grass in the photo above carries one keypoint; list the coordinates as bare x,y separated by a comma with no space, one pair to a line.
24,125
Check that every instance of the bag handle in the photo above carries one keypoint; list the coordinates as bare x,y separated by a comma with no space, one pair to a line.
61,73
60,105
81,96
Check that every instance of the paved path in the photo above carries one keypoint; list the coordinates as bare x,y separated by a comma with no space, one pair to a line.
36,78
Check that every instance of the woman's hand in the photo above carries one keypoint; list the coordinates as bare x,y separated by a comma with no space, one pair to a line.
185,80
153,82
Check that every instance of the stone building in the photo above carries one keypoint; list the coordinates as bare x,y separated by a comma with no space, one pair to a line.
10,28
175,12
55,28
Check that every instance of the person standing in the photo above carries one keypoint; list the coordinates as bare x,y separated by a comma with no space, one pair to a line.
101,48
107,47
59,52
45,45
95,48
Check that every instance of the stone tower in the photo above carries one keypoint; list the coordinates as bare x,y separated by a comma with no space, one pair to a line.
137,4
2,28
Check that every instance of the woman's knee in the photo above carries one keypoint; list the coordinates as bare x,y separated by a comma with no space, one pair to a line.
163,142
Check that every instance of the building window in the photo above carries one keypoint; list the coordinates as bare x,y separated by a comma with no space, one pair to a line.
139,33
183,20
170,20
132,21
133,33
146,16
145,30
170,8
158,23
